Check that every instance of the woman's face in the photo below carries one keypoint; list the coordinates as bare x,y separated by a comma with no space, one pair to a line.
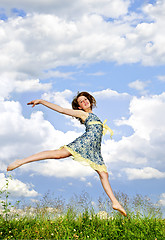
84,103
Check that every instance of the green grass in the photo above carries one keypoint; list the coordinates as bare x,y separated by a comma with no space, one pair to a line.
83,226
52,218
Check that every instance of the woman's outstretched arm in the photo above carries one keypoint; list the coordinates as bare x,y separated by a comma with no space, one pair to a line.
74,113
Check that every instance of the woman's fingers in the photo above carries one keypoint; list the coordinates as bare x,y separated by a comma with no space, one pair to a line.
34,102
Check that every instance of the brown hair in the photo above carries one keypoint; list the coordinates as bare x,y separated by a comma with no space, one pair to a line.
91,99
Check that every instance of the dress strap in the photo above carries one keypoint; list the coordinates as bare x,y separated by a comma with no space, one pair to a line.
105,127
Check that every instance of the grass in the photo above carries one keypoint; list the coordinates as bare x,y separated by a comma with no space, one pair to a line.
84,226
52,218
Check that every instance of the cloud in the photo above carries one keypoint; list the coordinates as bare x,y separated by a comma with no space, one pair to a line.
20,136
32,47
58,74
154,9
20,82
59,168
145,173
109,93
89,184
128,150
147,114
161,78
31,85
146,143
65,97
83,179
145,146
139,86
42,42
59,98
72,9
97,74
6,85
17,188
162,199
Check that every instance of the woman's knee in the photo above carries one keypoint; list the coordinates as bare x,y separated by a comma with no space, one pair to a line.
102,174
61,153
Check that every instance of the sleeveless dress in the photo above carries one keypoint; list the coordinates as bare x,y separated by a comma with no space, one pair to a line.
86,149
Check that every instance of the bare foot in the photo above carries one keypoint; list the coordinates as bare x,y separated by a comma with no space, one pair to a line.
14,165
119,208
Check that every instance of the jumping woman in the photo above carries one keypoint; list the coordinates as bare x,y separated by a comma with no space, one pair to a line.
86,148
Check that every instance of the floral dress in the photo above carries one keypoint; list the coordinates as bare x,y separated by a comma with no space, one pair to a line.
86,149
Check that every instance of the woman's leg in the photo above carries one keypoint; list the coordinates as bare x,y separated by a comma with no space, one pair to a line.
107,187
50,154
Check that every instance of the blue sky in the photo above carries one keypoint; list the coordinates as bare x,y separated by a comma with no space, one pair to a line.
115,50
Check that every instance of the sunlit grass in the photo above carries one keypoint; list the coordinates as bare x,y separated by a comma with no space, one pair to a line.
52,217
84,226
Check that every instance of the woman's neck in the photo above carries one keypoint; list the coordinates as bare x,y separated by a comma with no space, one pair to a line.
88,110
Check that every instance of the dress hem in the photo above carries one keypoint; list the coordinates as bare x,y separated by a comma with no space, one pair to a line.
84,161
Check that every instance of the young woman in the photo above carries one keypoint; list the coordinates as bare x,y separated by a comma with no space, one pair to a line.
86,148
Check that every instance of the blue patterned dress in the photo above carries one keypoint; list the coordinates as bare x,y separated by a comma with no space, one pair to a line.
87,148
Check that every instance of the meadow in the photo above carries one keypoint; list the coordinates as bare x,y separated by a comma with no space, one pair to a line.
51,217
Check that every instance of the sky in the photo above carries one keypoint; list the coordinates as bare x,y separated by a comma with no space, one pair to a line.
113,49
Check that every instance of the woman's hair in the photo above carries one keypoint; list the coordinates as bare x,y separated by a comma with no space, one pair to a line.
91,99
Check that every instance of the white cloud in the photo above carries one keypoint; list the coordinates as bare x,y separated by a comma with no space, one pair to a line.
31,85
97,74
145,173
83,179
34,45
139,85
162,199
59,98
17,188
59,168
161,78
64,98
6,85
145,147
71,9
154,9
109,93
19,82
58,74
147,115
97,178
89,184
21,137
45,41
128,150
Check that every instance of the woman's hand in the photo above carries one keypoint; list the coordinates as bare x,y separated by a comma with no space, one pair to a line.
34,102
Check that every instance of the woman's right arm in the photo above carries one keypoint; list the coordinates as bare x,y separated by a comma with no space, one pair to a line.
74,113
